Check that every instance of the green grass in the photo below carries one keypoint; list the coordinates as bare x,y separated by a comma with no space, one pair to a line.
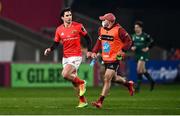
164,100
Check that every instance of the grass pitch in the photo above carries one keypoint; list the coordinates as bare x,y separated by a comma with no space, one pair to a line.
165,99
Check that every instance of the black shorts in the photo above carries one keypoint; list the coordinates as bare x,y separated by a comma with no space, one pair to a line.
113,66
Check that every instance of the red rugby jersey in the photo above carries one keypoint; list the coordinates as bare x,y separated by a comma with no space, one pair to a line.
70,38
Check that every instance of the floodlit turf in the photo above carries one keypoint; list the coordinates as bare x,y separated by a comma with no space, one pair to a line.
164,100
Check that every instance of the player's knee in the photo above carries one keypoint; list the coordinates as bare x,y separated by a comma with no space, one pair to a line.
107,76
139,71
65,74
107,79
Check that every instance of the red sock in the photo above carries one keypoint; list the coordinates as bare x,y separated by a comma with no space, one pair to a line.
82,99
78,81
101,99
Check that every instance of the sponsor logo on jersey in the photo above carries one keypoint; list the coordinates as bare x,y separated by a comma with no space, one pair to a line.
74,31
107,37
106,47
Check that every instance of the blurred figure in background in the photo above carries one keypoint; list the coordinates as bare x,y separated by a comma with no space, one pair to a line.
142,42
69,34
114,41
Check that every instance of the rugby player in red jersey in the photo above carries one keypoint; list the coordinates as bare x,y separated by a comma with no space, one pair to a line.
69,34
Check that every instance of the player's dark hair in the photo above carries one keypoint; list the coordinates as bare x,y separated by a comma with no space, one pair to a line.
65,10
139,23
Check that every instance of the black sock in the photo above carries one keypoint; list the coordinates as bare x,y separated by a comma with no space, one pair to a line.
148,76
